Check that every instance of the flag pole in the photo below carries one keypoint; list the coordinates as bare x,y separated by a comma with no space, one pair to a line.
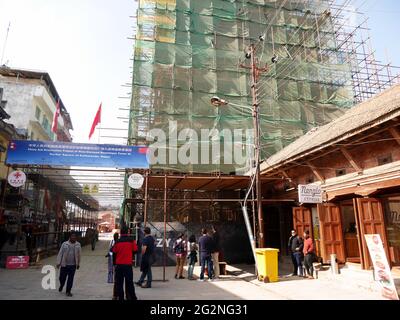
99,128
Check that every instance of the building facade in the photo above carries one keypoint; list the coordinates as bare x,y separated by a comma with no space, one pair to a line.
188,51
31,102
356,161
185,53
37,217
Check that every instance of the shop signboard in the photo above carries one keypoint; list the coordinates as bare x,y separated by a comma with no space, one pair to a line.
17,262
310,193
381,266
48,153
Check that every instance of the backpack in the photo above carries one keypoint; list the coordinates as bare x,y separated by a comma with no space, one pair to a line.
179,247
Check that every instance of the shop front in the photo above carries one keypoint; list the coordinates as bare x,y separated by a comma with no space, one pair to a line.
355,162
339,227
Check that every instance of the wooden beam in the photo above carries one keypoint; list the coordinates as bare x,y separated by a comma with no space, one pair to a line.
176,184
349,158
333,149
316,172
285,174
395,133
204,185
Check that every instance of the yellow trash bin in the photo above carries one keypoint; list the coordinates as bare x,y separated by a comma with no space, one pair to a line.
267,264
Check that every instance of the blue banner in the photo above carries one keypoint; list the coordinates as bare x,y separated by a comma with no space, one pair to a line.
48,153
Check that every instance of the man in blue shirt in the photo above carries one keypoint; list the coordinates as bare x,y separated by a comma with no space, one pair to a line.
147,258
206,247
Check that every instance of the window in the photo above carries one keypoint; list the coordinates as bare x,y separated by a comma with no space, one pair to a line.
45,123
392,215
38,113
385,159
315,223
340,172
310,180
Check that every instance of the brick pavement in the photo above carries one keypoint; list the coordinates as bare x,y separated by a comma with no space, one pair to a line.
91,284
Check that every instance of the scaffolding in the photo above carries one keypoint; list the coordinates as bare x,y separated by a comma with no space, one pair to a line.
354,44
187,51
318,63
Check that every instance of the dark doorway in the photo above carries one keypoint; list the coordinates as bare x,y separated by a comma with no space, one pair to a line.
272,227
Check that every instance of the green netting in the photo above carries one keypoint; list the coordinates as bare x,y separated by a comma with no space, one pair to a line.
187,51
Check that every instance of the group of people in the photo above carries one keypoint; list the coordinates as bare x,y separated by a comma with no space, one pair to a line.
120,259
209,248
121,253
302,252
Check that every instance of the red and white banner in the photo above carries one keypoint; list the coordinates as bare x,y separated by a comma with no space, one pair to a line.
381,266
17,262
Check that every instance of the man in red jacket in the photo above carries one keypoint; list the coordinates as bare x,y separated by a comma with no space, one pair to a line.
124,249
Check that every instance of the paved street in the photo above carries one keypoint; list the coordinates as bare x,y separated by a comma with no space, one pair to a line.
90,283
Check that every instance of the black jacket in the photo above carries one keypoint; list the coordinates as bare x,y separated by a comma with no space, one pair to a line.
295,242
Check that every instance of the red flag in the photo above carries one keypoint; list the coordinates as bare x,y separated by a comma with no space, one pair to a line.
96,121
54,126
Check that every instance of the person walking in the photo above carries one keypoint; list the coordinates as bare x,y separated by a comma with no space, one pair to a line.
94,239
111,258
206,246
111,264
216,251
140,237
148,247
192,257
296,251
180,249
124,249
309,254
69,258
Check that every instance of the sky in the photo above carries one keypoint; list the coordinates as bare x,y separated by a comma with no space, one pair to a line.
83,45
383,20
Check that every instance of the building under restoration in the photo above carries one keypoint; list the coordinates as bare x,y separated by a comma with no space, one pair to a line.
188,51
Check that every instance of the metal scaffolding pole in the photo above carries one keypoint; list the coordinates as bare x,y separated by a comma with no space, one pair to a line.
146,196
165,228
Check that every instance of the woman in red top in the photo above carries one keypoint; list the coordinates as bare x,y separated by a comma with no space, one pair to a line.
309,254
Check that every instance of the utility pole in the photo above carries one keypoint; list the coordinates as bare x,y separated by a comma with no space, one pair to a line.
255,75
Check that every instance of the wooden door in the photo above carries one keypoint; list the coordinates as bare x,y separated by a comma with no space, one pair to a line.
302,220
332,241
370,213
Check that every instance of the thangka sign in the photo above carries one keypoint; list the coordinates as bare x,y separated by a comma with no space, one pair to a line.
26,152
310,193
381,266
17,262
